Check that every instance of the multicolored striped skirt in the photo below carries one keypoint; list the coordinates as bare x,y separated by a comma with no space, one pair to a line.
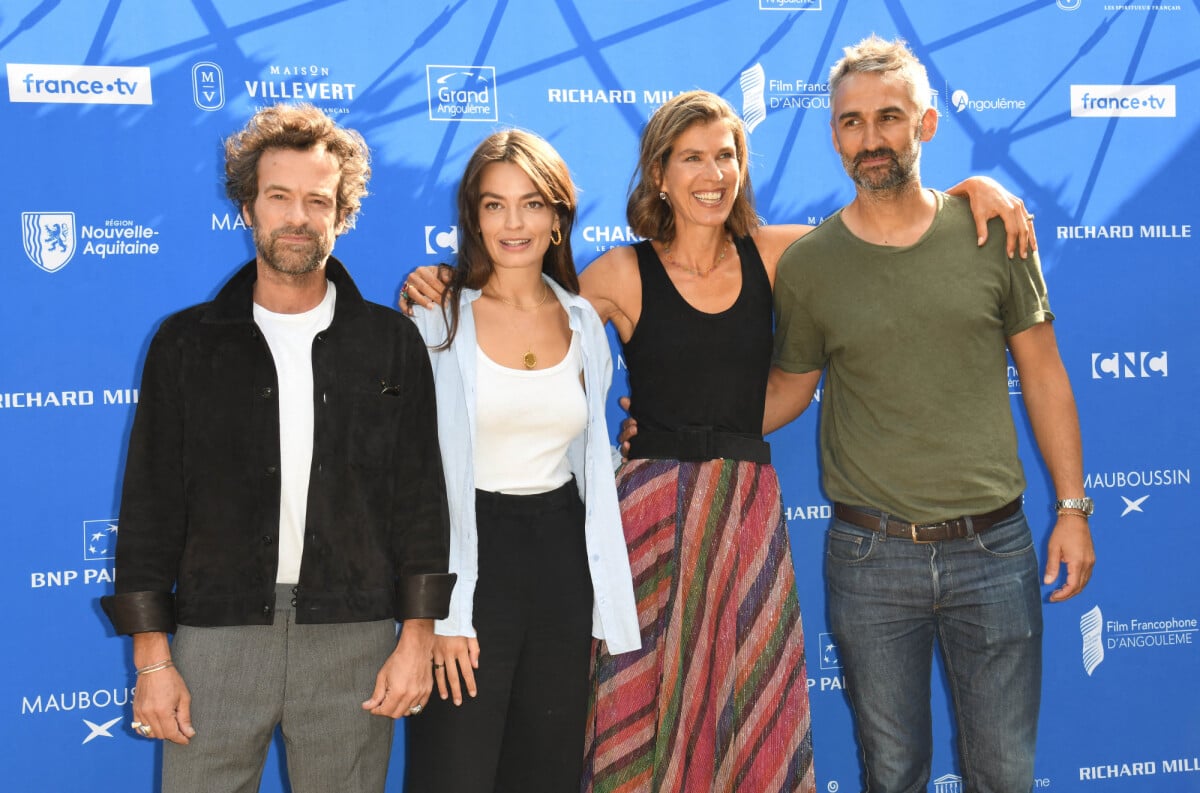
717,698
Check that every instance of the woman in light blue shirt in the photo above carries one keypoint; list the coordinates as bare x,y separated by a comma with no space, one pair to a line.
522,368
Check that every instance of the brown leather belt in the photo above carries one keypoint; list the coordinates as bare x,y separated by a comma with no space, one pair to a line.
953,529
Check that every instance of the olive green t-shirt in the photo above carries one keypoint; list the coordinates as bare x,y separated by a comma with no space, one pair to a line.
915,414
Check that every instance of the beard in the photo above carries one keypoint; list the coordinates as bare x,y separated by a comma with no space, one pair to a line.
289,258
900,171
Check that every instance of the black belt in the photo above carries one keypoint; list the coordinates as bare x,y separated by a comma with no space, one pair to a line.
694,444
953,529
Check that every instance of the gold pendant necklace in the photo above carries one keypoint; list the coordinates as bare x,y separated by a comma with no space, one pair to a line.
529,359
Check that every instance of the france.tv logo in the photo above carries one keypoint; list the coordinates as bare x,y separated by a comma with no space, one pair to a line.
462,93
78,84
49,238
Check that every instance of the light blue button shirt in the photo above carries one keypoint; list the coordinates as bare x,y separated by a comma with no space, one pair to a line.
614,609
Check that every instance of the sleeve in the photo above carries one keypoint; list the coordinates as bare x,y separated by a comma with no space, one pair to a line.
152,521
421,529
799,344
1026,304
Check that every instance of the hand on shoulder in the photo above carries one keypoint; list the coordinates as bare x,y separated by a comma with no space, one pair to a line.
772,241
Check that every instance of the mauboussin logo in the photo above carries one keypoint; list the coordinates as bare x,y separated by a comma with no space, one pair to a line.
462,93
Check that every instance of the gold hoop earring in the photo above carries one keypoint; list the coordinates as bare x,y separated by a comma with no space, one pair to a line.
556,236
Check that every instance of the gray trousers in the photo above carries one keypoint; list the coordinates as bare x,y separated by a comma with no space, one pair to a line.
310,680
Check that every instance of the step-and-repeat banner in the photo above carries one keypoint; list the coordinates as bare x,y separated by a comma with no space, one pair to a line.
114,217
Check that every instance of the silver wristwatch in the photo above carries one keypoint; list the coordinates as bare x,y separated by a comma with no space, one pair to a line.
1084,505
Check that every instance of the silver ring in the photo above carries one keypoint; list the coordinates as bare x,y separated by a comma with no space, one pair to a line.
144,729
415,709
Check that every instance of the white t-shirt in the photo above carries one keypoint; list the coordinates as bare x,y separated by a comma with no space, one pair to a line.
290,337
525,420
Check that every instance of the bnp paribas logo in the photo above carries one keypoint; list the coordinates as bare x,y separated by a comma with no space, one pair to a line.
49,238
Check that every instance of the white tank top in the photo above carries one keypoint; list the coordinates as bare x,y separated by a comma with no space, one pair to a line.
525,420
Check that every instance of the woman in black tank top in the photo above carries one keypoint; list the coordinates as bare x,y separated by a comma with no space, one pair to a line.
700,502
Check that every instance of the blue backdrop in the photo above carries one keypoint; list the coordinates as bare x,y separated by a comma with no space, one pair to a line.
114,217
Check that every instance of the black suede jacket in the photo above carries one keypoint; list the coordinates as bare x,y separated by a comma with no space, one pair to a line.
199,520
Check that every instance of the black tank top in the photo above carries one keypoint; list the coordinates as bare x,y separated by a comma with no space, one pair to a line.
688,368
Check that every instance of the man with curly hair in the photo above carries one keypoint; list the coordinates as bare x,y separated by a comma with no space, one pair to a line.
283,504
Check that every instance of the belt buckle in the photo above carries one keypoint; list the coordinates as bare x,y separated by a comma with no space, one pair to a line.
914,527
695,443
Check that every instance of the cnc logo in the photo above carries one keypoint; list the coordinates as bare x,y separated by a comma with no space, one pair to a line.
208,86
1129,365
441,240
948,783
1108,101
49,238
760,95
99,540
90,85
462,93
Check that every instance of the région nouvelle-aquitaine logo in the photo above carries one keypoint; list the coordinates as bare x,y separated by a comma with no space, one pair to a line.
49,238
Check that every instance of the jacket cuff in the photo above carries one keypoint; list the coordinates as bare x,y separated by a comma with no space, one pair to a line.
140,612
422,597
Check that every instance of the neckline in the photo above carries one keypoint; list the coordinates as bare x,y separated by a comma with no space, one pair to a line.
551,369
662,268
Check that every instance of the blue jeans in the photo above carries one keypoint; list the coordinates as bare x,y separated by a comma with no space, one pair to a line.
888,599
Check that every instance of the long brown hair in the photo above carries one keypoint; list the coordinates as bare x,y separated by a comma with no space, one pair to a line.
651,217
549,174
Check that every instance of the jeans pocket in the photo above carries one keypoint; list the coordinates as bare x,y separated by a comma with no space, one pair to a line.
1010,537
849,545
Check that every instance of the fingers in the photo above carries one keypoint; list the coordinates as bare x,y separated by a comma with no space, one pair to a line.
1072,587
462,659
981,233
402,687
1070,545
162,707
183,719
378,695
439,677
468,676
426,285
1053,560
